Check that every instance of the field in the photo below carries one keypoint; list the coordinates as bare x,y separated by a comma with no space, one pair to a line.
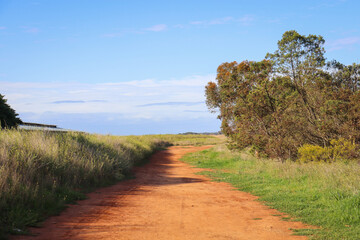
42,171
326,196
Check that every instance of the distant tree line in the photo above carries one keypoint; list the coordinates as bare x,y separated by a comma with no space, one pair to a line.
8,117
292,104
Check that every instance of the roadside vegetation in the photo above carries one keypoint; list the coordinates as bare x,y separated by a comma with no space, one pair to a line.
298,116
292,104
42,171
324,195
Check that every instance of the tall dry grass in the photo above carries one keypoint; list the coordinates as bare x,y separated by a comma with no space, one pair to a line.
41,171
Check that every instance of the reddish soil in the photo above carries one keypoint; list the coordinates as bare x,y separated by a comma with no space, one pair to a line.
167,200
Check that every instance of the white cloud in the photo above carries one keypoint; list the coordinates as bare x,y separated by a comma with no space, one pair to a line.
32,30
327,4
112,35
157,28
220,20
113,98
216,21
179,26
274,20
197,22
342,43
246,20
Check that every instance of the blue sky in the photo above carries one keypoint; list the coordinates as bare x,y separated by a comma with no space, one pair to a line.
140,67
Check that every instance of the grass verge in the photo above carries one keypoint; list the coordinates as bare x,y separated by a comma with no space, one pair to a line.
324,195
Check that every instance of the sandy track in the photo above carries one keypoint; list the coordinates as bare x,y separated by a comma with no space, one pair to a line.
167,200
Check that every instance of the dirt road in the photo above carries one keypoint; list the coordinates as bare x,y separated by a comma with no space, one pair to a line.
168,201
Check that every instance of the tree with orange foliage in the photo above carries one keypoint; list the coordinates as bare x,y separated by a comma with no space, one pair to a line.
279,104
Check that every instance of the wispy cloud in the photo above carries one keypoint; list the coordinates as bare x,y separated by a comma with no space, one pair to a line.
2,28
273,20
31,30
171,104
124,32
220,21
327,4
179,26
149,98
216,21
154,28
197,22
112,35
97,101
68,101
193,111
157,28
120,124
342,43
246,20
77,101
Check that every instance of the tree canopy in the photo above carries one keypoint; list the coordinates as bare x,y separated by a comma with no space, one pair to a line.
291,98
8,117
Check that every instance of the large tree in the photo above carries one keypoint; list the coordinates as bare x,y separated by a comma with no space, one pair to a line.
288,100
8,117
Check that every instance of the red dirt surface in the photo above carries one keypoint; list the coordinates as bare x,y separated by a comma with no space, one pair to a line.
167,200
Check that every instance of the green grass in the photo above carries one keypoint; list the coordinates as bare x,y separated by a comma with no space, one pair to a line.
40,172
323,195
